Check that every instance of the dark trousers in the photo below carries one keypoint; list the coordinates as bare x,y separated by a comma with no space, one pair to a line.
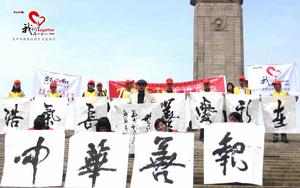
201,134
283,137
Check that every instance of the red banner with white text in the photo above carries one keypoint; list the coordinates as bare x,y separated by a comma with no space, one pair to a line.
217,85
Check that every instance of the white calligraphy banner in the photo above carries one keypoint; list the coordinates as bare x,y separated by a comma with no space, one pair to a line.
87,112
261,77
247,105
163,161
54,110
14,114
113,103
206,108
173,108
67,85
97,159
33,158
134,119
279,114
233,152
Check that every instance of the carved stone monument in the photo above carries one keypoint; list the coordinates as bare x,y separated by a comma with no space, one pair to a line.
218,39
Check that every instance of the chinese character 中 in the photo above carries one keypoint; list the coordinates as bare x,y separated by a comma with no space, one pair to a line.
31,155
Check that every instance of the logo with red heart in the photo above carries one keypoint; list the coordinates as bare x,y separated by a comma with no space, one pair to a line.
36,18
273,72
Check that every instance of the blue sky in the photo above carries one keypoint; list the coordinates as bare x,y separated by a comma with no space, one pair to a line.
121,39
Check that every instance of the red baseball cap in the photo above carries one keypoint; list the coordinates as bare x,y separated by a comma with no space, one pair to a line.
276,82
91,82
206,81
53,84
242,77
129,82
169,81
99,84
17,82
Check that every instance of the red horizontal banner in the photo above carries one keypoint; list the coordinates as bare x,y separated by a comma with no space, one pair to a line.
217,85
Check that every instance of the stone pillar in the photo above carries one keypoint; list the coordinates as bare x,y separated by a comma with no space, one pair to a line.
218,39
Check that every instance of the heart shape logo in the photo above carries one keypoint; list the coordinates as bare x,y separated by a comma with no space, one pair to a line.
273,72
36,18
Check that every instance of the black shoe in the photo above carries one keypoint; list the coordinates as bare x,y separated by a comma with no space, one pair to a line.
131,155
275,138
285,140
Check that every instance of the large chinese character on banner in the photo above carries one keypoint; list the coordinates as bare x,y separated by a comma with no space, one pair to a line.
95,159
162,160
173,108
52,108
14,114
233,152
133,119
35,158
206,108
279,114
87,112
246,105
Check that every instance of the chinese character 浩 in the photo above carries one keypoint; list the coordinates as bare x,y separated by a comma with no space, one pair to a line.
11,117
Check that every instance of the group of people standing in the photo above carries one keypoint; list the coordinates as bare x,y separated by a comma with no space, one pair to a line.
139,95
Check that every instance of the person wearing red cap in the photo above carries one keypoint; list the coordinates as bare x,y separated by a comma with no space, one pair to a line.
125,93
101,92
16,90
169,83
279,92
90,92
206,86
53,90
242,89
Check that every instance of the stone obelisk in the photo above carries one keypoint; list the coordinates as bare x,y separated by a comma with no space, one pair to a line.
218,39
